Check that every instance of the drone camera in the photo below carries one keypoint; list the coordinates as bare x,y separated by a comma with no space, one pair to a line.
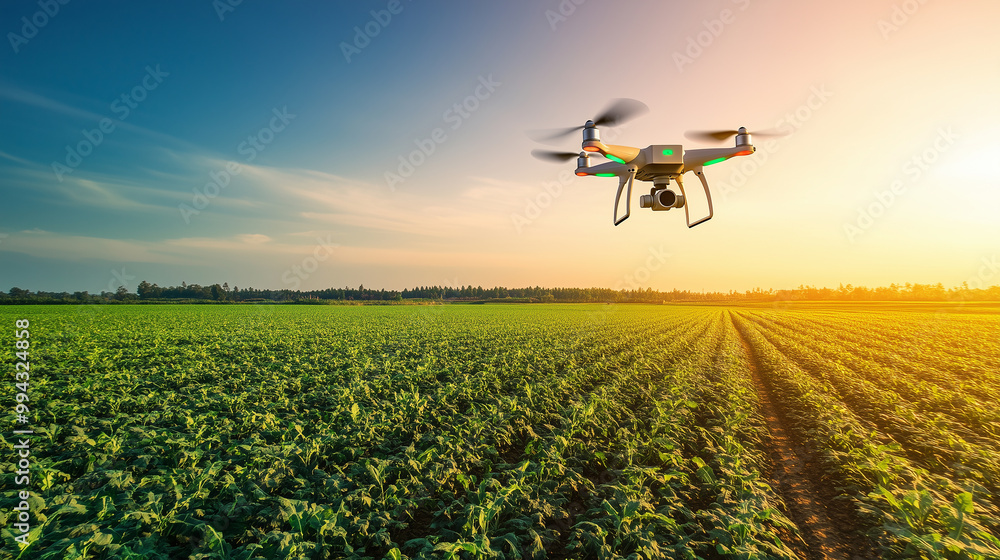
663,199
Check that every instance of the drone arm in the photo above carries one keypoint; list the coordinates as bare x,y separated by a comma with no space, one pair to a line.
709,156
624,154
699,171
622,180
610,168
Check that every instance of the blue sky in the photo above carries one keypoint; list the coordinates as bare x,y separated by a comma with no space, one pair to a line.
266,89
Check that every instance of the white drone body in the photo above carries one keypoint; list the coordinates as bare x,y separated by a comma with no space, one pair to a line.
660,164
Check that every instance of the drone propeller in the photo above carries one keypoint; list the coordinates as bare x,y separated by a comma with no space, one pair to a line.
621,111
722,135
618,112
546,155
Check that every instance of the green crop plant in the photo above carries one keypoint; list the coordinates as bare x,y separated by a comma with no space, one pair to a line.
501,431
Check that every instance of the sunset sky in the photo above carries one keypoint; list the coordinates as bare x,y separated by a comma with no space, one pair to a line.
203,142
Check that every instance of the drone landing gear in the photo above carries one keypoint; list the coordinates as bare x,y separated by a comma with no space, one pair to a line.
699,171
622,180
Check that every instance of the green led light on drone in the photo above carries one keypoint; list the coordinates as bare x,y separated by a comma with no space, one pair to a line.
605,174
668,152
615,159
714,161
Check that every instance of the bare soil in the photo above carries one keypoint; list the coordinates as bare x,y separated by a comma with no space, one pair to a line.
827,527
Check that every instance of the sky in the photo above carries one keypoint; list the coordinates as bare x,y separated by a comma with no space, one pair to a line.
307,145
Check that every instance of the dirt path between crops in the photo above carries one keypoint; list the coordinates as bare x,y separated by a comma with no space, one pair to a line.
793,476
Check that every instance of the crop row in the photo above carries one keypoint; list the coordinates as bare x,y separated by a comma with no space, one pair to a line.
396,432
922,414
875,444
958,352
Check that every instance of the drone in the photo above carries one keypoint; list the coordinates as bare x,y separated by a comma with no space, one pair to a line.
659,164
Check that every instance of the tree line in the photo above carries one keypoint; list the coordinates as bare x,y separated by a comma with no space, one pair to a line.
196,293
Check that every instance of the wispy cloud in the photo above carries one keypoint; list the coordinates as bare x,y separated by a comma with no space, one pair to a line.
91,190
186,250
253,238
333,200
35,100
264,250
32,99
16,159
78,248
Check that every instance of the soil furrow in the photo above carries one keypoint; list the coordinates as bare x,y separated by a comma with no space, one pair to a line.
794,476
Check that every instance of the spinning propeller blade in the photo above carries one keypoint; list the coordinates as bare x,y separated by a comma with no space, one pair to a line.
618,112
546,155
722,135
621,111
549,136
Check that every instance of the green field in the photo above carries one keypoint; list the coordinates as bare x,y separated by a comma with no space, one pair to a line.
509,431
